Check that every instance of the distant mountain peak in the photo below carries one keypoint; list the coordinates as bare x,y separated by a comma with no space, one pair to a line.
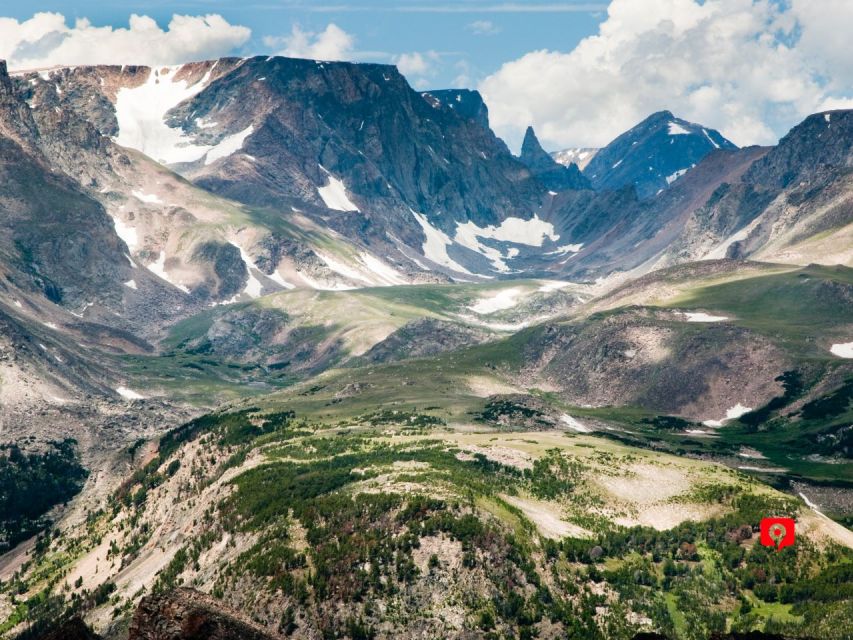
653,154
552,174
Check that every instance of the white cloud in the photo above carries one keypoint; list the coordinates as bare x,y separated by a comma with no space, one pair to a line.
47,40
333,43
484,28
417,67
751,68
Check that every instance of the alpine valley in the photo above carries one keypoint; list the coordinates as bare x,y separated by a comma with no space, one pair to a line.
290,349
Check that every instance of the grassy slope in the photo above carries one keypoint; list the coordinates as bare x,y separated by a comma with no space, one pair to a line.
371,491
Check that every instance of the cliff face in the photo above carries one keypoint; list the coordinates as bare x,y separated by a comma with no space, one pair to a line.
363,125
552,174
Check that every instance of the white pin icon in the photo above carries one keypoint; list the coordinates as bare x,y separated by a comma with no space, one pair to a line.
777,533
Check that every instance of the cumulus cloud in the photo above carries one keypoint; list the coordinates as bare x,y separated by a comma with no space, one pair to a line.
333,43
417,67
46,40
751,68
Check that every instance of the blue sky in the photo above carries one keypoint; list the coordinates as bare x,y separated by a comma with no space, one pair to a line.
468,37
580,72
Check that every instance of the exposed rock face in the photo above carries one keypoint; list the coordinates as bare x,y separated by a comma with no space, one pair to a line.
363,125
184,614
56,239
795,191
657,360
466,102
620,231
351,151
555,176
653,154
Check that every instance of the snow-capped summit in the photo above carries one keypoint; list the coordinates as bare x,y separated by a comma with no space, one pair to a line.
580,156
654,154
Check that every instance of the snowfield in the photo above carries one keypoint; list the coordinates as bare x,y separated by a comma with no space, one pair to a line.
732,414
228,145
253,285
384,272
334,194
150,198
126,233
676,129
843,350
158,268
574,424
435,245
531,232
141,115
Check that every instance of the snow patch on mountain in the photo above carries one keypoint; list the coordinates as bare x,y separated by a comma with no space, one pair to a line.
531,232
435,246
710,139
676,129
150,198
733,413
577,155
126,233
141,115
343,269
843,350
675,176
385,273
719,252
129,394
703,317
158,268
253,285
566,248
574,424
228,145
334,194
276,277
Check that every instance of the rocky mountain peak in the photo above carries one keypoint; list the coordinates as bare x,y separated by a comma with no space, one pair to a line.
815,149
653,154
555,176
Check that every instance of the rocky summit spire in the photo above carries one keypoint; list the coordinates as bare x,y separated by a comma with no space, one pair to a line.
549,172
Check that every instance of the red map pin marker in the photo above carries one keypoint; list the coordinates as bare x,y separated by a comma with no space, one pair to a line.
777,532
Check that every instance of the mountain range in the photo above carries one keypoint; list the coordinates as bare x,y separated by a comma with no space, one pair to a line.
252,305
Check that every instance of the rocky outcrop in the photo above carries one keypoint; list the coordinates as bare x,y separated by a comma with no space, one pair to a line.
467,103
185,614
552,174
